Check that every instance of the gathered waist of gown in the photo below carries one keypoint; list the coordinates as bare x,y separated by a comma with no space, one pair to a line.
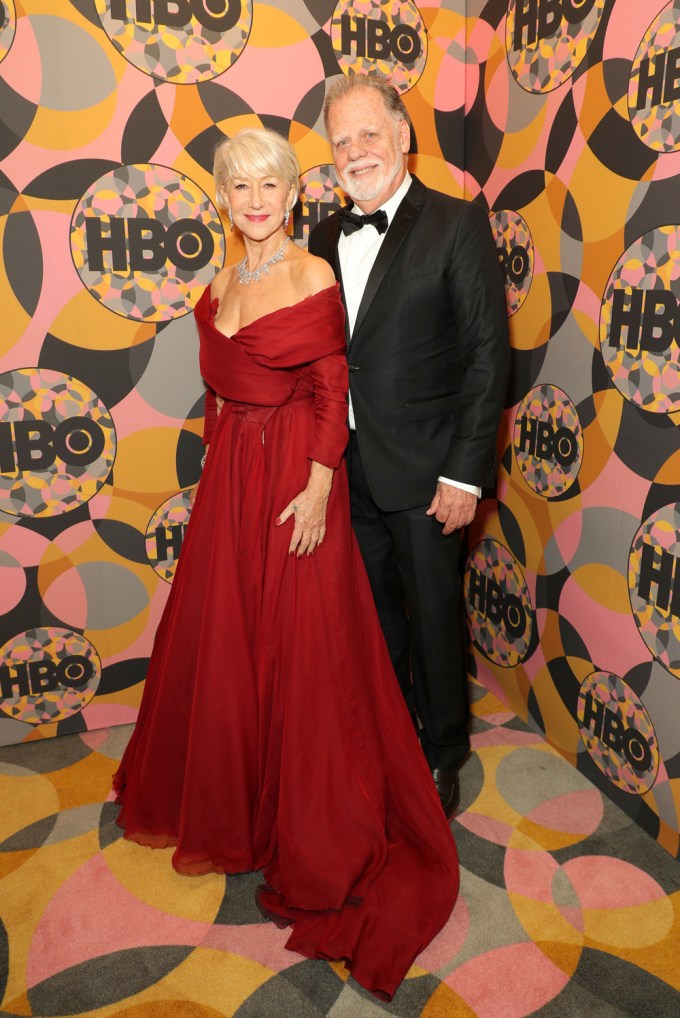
255,413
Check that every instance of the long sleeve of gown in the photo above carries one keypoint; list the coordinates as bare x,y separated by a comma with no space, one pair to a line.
329,437
210,416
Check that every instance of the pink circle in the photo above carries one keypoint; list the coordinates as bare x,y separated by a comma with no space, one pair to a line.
26,546
602,882
21,67
446,96
512,981
12,583
252,74
577,813
530,874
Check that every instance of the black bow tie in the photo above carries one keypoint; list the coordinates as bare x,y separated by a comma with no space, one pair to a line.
350,221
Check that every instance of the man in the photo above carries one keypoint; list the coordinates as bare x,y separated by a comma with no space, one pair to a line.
428,359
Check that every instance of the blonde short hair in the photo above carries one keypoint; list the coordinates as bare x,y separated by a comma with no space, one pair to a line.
255,152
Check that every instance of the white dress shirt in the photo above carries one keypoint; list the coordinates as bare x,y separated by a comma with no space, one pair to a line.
357,252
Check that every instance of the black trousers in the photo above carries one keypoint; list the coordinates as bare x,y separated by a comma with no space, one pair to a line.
414,573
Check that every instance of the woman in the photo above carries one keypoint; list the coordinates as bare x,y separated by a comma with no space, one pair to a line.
272,733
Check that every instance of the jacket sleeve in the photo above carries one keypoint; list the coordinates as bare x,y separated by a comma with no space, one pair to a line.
478,295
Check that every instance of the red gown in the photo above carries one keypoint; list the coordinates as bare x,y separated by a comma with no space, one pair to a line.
272,733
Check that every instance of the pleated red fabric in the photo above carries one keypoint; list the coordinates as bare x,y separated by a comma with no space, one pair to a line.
272,733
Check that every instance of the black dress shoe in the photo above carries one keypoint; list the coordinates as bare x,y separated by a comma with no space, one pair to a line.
448,787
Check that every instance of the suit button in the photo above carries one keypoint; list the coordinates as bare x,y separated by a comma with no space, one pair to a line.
353,367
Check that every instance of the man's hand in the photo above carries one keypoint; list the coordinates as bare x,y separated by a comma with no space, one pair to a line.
453,507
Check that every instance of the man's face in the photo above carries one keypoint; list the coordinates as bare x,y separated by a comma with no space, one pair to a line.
369,148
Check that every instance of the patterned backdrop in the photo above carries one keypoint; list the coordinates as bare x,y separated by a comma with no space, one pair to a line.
573,581
563,118
109,114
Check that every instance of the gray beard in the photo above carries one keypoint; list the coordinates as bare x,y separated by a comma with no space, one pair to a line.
357,193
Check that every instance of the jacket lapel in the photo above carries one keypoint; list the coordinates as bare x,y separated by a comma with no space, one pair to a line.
405,216
333,256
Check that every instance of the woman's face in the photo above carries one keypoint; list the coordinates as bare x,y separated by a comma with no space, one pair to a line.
258,204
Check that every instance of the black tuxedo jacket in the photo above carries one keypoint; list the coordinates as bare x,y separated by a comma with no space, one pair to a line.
429,354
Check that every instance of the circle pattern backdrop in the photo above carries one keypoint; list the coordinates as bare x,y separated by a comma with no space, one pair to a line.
618,733
8,21
548,441
107,193
561,118
181,42
388,36
516,253
653,92
146,241
57,442
638,323
165,533
47,674
320,195
573,139
651,579
498,604
547,42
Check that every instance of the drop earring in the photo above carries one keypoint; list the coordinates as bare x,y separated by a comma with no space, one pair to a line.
286,219
231,220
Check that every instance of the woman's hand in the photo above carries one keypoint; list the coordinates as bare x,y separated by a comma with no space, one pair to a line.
309,510
194,490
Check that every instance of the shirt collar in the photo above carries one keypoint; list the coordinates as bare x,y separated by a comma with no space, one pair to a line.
392,204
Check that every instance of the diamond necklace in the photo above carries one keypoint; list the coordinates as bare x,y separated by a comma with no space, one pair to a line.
245,277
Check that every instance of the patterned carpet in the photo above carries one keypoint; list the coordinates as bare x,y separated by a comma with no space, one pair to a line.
567,909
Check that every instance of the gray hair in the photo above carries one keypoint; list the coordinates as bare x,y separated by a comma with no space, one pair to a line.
380,83
255,151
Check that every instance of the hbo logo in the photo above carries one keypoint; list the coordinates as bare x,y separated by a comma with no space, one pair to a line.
310,213
492,601
659,79
660,569
515,263
177,13
540,19
650,318
147,244
375,39
539,438
37,677
609,728
169,541
35,445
